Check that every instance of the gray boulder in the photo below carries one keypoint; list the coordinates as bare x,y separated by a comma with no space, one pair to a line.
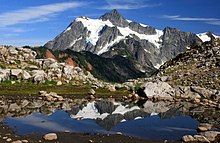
17,73
160,90
38,76
12,51
4,74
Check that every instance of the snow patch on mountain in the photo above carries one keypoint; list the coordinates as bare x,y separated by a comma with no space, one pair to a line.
72,43
155,39
108,45
215,36
68,29
94,26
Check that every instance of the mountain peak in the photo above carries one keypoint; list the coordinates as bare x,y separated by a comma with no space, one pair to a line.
115,17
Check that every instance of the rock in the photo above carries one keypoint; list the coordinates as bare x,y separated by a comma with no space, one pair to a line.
39,76
12,51
201,91
130,95
161,90
125,97
18,141
91,141
33,67
42,92
4,138
13,82
50,136
53,94
59,83
164,78
16,72
188,138
201,138
49,98
24,141
91,92
119,133
197,100
26,75
204,127
60,98
8,139
14,107
4,74
24,103
211,135
49,63
112,89
91,97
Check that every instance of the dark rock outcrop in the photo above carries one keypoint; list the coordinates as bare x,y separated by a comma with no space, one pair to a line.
176,41
107,35
148,30
116,18
74,37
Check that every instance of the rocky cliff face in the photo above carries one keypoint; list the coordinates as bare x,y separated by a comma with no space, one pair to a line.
176,41
112,35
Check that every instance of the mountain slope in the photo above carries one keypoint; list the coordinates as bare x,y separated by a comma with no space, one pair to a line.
110,35
198,66
115,69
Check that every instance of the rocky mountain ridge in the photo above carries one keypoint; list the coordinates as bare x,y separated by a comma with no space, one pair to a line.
101,35
112,34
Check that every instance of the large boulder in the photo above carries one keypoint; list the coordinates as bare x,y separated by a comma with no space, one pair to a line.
4,74
158,90
16,73
211,135
47,63
3,51
12,51
26,75
38,76
50,136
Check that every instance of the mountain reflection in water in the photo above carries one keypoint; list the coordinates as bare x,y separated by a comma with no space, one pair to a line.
145,119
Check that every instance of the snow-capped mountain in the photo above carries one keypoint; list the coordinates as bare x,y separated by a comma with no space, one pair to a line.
112,35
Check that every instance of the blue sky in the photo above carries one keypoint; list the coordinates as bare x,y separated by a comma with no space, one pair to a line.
34,22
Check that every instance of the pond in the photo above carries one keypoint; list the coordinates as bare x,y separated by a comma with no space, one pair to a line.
143,119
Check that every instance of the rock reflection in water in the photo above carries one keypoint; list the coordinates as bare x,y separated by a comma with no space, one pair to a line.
146,119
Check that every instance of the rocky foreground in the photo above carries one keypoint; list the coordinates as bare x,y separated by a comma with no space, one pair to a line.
20,65
193,77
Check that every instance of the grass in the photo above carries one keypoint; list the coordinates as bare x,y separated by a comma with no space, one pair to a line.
2,65
33,89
